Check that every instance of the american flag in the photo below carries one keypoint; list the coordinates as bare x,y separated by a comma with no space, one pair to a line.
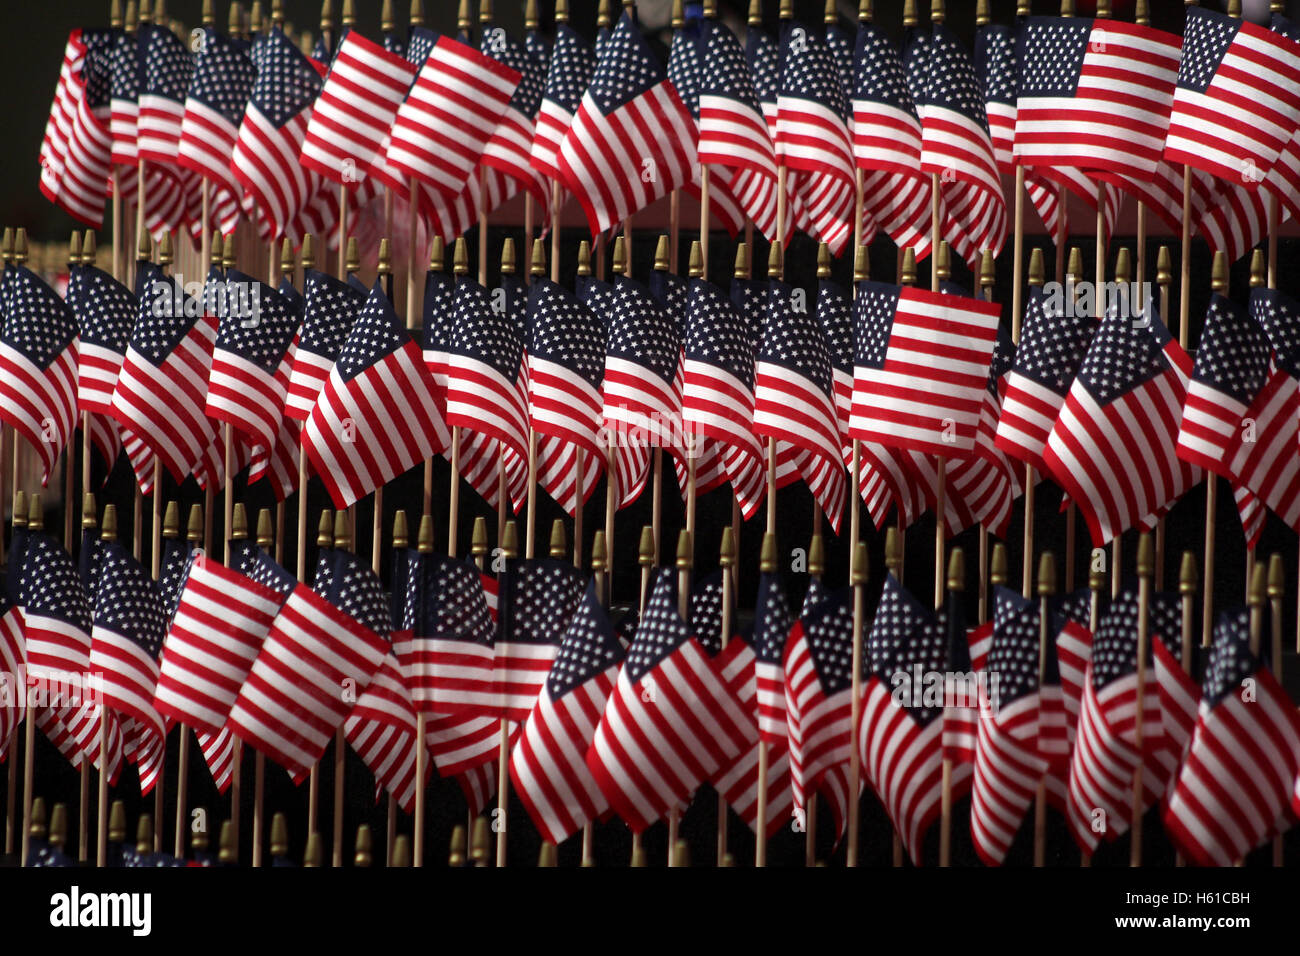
161,391
566,370
1071,619
921,367
129,625
56,613
38,365
124,104
167,70
1052,347
1099,798
538,598
439,314
332,306
1113,446
105,312
13,658
509,151
354,438
569,74
67,93
382,730
772,623
75,178
1008,764
265,160
962,699
1236,104
718,390
1180,694
671,721
358,103
221,619
214,109
249,379
632,139
1095,94
548,761
291,702
818,670
449,116
794,395
1234,789
901,740
812,135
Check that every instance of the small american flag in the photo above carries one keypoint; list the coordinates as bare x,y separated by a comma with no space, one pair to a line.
73,177
632,139
354,438
105,312
56,613
38,365
1235,787
382,730
1113,447
439,314
13,658
124,104
772,623
548,762
168,69
921,367
332,306
1237,102
538,598
671,721
1180,695
509,151
571,68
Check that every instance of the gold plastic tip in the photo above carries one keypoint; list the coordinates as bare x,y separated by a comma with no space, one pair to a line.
456,857
677,19
727,550
936,11
823,260
417,13
1103,9
957,570
1036,269
546,856
424,541
199,837
385,257
1234,8
315,855
786,10
1146,558
437,253
146,12
37,826
143,249
1164,266
1258,585
481,842
74,249
227,851
352,262
861,566
864,11
20,245
401,535
861,264
681,854
530,15
561,11
774,261
988,270
20,509
485,11
584,258
1046,574
998,564
510,540
194,526
265,529
89,518
685,551
239,522
228,251
741,270
1074,265
108,526
88,248
1124,265
144,834
402,851
755,18
1276,576
645,554
279,835
1187,574
115,13
172,520
362,855
117,822
1142,13
767,560
1258,269
342,531
982,13
538,267
7,244
286,257
710,9
638,857
165,256
218,245
387,18
1219,272
1067,8
817,555
908,276
234,22
695,263
324,529
893,550
598,555
559,539
463,20
943,261
478,537
620,256
349,17
460,258
508,257
59,825
35,512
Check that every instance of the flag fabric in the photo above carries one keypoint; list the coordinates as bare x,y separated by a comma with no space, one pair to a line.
77,151
1236,104
538,598
772,623
354,439
1180,694
900,734
1113,447
921,367
986,482
13,658
567,77
548,762
104,310
168,68
124,101
1234,789
38,365
57,617
509,150
566,370
331,307
382,730
671,720
632,139
1008,764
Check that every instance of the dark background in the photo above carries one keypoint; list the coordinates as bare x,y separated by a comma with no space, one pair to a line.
33,47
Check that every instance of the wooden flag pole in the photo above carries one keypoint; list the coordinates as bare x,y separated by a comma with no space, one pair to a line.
424,543
559,551
1187,606
236,529
342,542
70,459
1164,276
941,464
460,267
599,559
1276,591
108,532
1096,583
436,259
956,583
1123,275
646,559
695,270
1046,590
194,535
1036,278
1145,570
894,565
89,523
685,562
509,550
987,278
858,579
726,561
308,262
1219,284
12,825
35,522
767,564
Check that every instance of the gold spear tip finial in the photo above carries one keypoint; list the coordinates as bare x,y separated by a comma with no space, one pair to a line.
727,550
279,835
864,11
214,252
677,19
437,254
786,10
638,857
602,14
402,851
387,18
710,9
599,558
74,249
353,259
741,270
37,827
861,567
324,529
20,509
546,856
661,253
1142,13
988,270
144,834
349,13
417,13
767,556
645,553
1234,8
20,245
115,13
117,822
385,257
685,551
681,854
1146,558
893,550
228,251
362,855
817,555
508,257
458,841
936,11
1219,272
424,540
227,851
315,855
1097,570
1258,269
1187,574
1276,576
235,21
755,18
695,264
480,842
1074,265
1124,265
620,255
531,19
108,526
35,512
584,258
1164,266
1103,8
146,15
830,13
908,276
943,261
478,537
7,244
1067,8
327,16
59,825
308,251
207,17
265,530
559,539
143,249
1046,574
538,266
165,256
286,256
561,11
194,526
957,570
774,261
861,264
484,11
88,509
460,257
172,520
199,835
238,522
342,531
401,534
998,564
823,260
1258,585
88,248
982,13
